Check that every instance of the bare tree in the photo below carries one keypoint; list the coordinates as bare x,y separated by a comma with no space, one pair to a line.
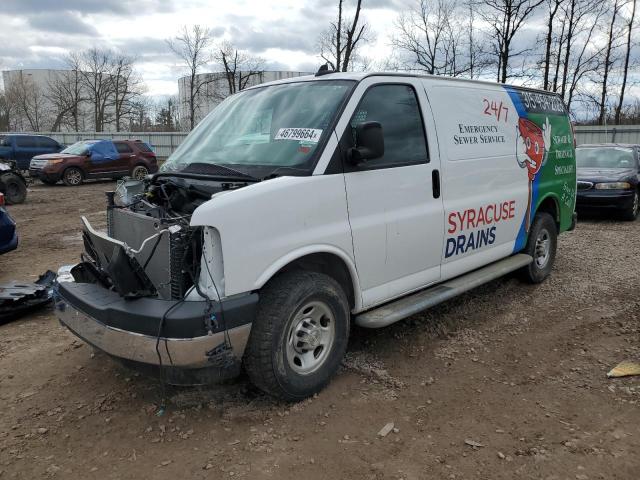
505,19
191,46
5,113
127,86
625,69
96,71
553,7
575,55
239,67
65,93
423,32
28,102
608,59
340,42
140,114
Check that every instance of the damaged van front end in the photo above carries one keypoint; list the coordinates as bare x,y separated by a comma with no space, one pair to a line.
150,291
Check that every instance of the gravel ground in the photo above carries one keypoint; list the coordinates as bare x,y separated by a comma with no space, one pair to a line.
506,382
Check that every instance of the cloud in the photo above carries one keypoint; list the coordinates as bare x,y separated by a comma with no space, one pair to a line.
117,7
68,23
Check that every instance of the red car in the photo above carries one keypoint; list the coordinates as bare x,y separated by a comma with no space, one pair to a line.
95,159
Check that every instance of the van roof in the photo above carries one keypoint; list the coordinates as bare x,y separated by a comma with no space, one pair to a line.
359,76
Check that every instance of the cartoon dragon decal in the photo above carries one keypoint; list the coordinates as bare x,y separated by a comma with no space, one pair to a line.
532,150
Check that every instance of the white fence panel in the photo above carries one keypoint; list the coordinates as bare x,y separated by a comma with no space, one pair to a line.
609,134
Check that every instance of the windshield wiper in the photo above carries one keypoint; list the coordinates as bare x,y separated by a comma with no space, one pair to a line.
208,171
277,172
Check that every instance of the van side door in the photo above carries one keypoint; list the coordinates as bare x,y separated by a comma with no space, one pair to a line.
394,205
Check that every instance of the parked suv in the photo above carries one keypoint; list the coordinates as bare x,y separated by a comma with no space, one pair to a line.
21,148
95,159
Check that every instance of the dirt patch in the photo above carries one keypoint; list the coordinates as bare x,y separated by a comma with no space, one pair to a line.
507,381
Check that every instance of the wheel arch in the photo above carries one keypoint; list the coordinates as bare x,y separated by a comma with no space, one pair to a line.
549,204
328,260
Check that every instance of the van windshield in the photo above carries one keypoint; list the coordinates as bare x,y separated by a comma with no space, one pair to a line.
263,129
605,157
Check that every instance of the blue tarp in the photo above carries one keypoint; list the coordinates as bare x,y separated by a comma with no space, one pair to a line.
102,151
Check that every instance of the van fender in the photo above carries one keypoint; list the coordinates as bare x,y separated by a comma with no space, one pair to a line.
554,198
294,255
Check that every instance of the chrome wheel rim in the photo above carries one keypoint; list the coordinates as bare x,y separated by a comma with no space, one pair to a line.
74,177
310,337
635,204
140,172
543,248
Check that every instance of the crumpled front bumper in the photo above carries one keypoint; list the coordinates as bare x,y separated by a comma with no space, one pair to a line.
128,329
175,352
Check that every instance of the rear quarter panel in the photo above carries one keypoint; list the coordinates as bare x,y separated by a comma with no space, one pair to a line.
499,146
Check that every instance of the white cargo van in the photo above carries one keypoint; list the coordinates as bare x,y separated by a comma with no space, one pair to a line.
299,207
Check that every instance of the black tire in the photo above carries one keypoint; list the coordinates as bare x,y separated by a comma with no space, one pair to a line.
72,177
13,187
271,358
544,229
139,172
631,212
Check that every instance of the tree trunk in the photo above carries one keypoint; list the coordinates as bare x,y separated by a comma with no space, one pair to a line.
607,66
625,70
567,53
549,39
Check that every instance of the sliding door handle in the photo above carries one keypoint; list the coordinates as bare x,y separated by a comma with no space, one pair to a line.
435,182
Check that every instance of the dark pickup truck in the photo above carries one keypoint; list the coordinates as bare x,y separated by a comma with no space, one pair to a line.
21,148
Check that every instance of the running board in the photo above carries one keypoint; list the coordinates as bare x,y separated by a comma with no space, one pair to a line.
417,302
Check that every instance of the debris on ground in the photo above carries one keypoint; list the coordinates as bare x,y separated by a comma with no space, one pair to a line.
473,443
625,368
384,431
17,298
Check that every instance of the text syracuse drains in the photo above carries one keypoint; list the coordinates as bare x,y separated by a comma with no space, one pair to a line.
486,216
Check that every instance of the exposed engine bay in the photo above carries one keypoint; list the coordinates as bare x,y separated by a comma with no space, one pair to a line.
149,248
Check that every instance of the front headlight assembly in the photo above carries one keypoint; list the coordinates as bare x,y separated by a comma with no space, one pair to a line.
613,186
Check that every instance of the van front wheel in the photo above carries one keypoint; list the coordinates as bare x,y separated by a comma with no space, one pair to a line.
299,336
541,245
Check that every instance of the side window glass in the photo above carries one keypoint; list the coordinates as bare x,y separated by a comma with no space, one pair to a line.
45,142
396,108
25,141
123,147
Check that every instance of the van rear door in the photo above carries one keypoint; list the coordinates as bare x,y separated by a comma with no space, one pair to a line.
395,212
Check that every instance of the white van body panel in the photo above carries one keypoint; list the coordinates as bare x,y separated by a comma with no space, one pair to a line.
266,225
483,174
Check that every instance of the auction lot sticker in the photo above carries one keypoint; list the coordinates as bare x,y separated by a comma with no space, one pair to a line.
307,134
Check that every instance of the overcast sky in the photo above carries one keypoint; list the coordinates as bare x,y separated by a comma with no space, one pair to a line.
38,33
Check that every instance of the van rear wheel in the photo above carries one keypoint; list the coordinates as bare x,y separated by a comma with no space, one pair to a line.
541,245
299,336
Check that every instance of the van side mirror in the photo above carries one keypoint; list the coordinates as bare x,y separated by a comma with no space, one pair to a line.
369,143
